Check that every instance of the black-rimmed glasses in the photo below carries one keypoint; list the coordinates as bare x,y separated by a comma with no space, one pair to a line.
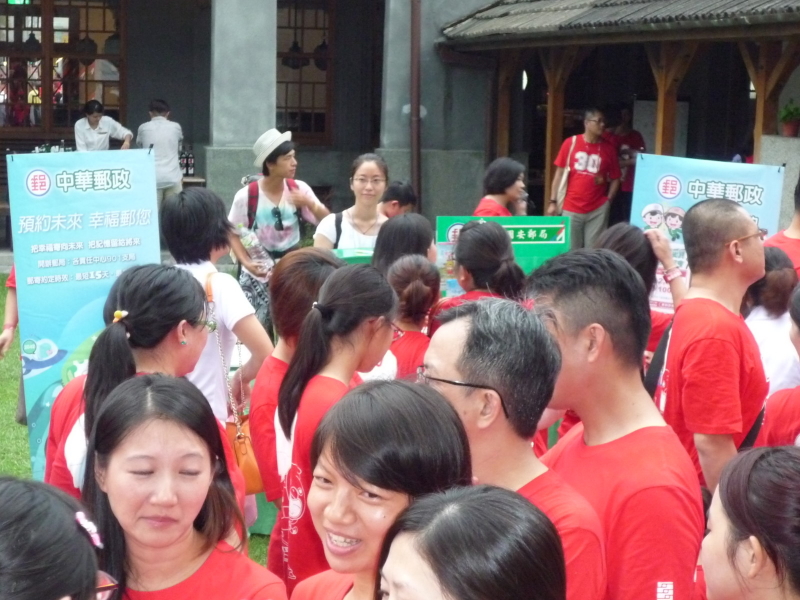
423,377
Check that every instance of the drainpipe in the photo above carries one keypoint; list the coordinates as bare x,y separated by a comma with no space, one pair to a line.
416,145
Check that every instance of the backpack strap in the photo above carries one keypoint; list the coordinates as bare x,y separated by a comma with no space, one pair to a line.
252,203
657,363
750,439
337,222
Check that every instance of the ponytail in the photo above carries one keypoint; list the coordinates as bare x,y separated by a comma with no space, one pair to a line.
416,282
484,250
508,280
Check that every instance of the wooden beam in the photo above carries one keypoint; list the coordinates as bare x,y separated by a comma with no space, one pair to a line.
669,62
508,68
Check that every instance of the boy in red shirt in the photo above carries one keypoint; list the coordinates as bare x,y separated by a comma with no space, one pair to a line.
622,457
712,389
496,364
593,180
788,240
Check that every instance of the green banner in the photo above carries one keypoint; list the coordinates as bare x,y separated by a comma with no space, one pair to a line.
354,256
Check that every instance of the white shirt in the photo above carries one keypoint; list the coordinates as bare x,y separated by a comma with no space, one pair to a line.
90,140
781,364
165,136
230,307
351,237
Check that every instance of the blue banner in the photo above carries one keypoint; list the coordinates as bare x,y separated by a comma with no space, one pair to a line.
79,219
667,186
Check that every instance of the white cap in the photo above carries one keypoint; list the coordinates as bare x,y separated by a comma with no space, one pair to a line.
267,143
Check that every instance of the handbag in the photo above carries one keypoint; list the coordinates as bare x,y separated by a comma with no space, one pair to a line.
562,186
239,430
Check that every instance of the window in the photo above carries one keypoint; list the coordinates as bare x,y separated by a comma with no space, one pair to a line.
304,70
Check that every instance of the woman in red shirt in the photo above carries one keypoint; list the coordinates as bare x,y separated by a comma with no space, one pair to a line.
504,189
348,329
383,445
485,267
163,499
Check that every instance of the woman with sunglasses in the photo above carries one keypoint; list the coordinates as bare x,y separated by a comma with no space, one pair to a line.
156,322
157,482
47,546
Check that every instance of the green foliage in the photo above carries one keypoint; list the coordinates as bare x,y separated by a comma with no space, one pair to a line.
789,112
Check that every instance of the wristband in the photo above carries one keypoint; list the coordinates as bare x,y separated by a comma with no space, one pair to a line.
9,326
672,274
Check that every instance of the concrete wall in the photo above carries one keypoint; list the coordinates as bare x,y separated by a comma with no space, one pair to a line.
777,150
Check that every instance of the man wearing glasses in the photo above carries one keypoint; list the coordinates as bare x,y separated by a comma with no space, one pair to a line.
589,166
497,365
713,387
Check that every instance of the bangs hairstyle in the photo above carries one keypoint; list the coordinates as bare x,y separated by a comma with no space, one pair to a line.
373,158
402,191
295,284
485,251
416,281
401,235
501,175
707,227
631,244
92,107
272,158
596,286
44,552
484,543
395,435
195,224
136,402
760,492
774,290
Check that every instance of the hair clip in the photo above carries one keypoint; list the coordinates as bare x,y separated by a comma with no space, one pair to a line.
90,529
119,315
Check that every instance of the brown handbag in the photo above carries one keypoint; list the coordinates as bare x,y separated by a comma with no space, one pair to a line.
238,431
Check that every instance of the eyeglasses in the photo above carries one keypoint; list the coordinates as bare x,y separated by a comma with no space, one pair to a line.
276,214
106,585
424,378
761,233
364,181
397,332
598,121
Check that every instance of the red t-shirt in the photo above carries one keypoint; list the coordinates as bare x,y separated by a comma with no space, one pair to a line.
659,323
713,381
645,491
409,350
591,168
225,575
579,529
632,140
448,303
781,425
489,208
263,406
11,282
789,245
302,551
328,585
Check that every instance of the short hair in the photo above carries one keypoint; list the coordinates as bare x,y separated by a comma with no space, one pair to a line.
484,250
159,107
417,282
509,349
760,492
632,244
501,175
707,227
282,150
402,191
597,286
592,111
404,234
774,290
473,537
92,107
194,224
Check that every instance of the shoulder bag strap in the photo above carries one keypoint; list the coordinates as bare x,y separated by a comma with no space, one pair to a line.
252,203
337,220
750,439
657,364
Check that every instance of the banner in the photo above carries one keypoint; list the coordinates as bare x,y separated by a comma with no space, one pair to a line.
79,219
534,239
667,186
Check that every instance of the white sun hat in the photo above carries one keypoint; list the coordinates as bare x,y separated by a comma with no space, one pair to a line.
267,143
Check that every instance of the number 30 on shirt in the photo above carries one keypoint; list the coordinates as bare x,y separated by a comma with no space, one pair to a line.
587,162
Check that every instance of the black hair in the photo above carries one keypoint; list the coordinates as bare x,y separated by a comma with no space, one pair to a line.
592,111
194,224
157,299
794,306
508,348
797,195
631,244
349,296
501,175
707,227
404,234
92,107
402,191
416,281
597,286
774,290
45,554
160,107
370,157
484,250
484,543
138,401
398,436
282,150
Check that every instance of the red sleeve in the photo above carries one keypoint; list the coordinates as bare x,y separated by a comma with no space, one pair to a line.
262,431
561,159
585,563
272,591
613,163
710,395
653,546
11,282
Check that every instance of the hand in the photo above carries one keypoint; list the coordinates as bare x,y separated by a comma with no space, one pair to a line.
661,247
5,341
521,208
551,210
126,145
257,269
299,199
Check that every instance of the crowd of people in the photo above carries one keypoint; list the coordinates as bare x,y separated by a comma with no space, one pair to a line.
403,437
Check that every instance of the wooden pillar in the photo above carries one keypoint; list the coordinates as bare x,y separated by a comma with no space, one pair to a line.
669,61
769,65
557,63
507,69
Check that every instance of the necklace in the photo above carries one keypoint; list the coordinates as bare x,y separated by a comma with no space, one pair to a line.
357,228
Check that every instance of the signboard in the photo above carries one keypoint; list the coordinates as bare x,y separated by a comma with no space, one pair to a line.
354,256
79,219
667,186
534,239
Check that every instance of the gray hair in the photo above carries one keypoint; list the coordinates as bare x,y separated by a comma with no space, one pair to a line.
509,349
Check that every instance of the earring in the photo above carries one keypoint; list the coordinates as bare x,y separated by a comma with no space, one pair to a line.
183,342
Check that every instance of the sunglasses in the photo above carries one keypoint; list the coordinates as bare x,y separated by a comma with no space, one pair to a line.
276,214
106,585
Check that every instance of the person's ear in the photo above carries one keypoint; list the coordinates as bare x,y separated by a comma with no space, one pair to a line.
735,250
182,331
754,560
464,278
594,337
491,408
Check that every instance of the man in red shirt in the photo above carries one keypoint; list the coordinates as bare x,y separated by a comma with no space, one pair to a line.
788,240
712,388
496,364
629,143
622,457
593,178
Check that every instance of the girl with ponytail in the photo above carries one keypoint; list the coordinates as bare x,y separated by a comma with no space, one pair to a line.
485,267
348,329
